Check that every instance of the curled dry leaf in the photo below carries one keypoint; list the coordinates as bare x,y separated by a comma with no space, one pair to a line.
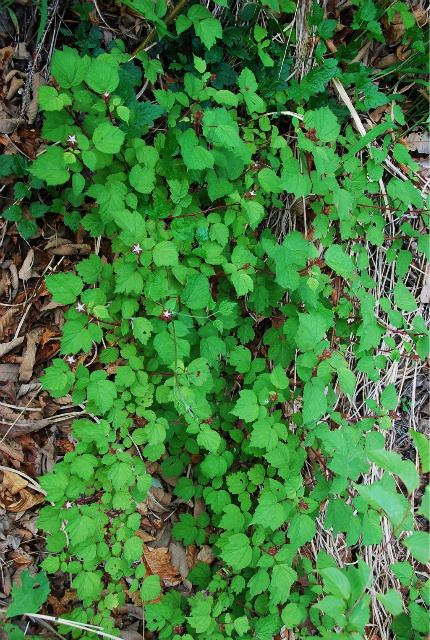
419,142
13,482
158,563
27,364
25,271
26,501
205,555
5,347
20,557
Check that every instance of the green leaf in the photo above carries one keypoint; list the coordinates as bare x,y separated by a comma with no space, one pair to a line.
196,293
339,261
102,76
142,329
422,443
269,513
314,400
108,139
419,546
29,597
269,181
68,68
51,167
102,393
404,298
292,615
325,124
312,329
283,577
208,30
58,378
88,585
389,398
65,287
301,530
242,282
246,406
133,548
393,462
165,254
336,582
392,601
235,550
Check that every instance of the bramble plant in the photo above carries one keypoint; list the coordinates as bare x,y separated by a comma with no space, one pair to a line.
182,185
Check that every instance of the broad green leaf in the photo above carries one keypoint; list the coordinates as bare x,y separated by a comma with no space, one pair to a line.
336,582
339,261
389,398
314,400
108,139
133,548
325,124
51,167
165,254
65,287
102,393
419,546
269,513
68,68
30,596
422,443
58,378
269,181
88,585
393,462
236,550
102,75
392,601
196,292
404,298
246,406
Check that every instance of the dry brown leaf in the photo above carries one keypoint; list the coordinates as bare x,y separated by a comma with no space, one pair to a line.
144,536
419,142
57,607
27,364
26,501
191,555
70,249
157,562
6,320
13,482
20,557
5,347
205,554
9,372
25,271
13,450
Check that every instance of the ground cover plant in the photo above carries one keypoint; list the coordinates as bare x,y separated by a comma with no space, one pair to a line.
264,241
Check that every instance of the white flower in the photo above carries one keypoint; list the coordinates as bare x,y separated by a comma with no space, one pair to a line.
166,313
80,307
266,401
70,359
252,193
137,249
69,505
120,450
72,139
106,94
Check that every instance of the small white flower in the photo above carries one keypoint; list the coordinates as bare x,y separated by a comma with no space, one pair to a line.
72,139
166,313
70,359
120,450
266,401
68,505
252,193
80,307
106,94
137,249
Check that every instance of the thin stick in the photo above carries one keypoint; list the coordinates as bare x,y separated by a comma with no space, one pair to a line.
172,15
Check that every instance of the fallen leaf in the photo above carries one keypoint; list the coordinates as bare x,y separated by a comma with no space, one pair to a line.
5,347
158,563
26,501
205,554
25,271
27,364
13,482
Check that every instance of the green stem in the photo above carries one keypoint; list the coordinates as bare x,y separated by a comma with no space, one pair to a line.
172,15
